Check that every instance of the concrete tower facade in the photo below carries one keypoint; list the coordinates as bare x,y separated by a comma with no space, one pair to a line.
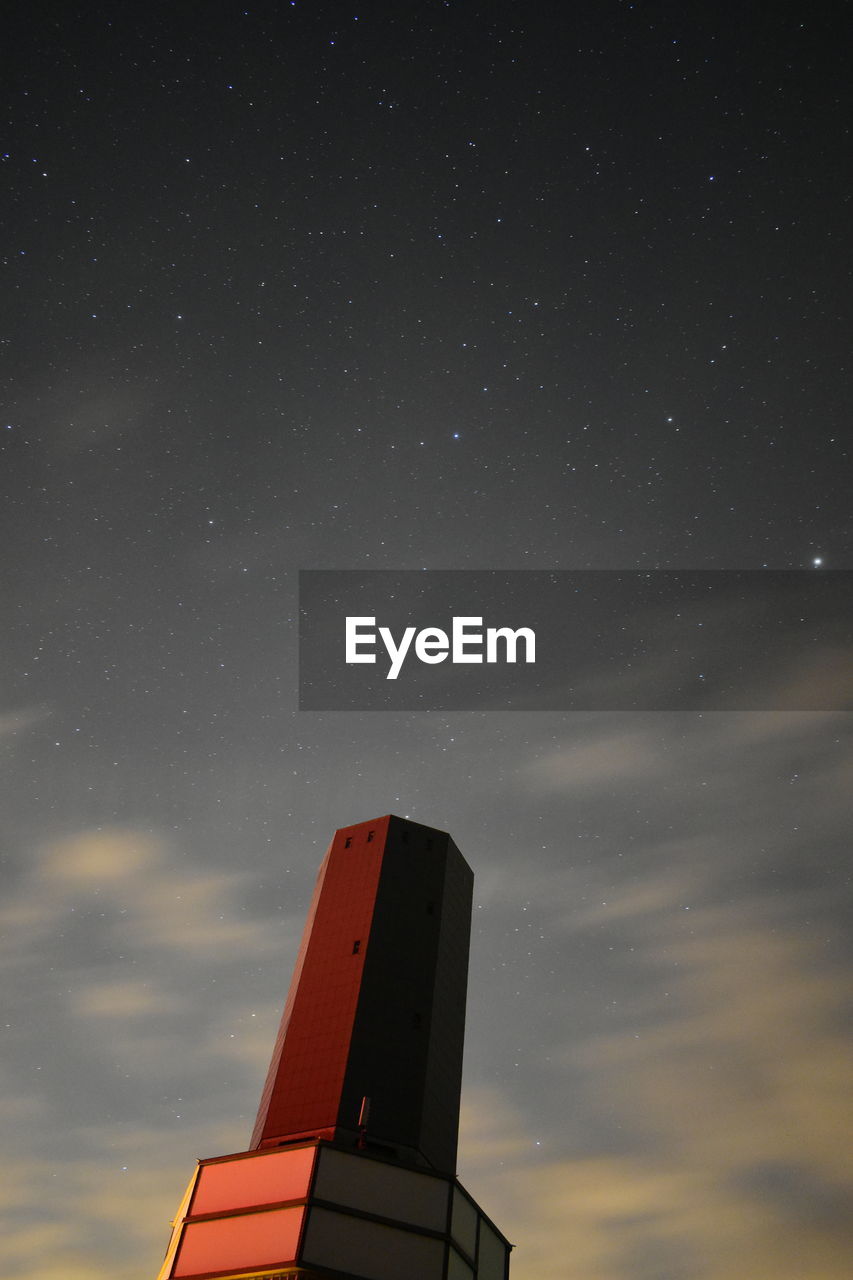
351,1168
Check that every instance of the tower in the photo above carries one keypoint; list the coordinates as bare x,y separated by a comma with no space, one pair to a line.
351,1168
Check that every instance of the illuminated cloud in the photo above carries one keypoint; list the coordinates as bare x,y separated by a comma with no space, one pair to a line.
598,761
72,1219
729,1101
122,1000
13,723
136,890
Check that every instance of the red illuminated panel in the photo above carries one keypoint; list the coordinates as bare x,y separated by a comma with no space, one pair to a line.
253,1180
250,1240
303,1088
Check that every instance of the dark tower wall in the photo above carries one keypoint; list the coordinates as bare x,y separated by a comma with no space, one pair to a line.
377,1003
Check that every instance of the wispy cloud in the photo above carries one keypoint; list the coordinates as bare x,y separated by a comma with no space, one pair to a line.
134,889
598,761
727,1097
13,723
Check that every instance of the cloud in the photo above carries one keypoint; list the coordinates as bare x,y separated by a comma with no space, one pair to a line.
724,1090
100,859
72,1219
135,890
822,677
650,896
122,1000
125,989
621,754
754,1033
13,723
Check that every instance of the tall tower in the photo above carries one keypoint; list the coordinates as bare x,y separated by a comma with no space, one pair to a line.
351,1168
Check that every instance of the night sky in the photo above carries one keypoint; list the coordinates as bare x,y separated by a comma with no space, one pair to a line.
426,285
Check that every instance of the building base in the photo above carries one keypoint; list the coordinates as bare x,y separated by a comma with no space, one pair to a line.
320,1212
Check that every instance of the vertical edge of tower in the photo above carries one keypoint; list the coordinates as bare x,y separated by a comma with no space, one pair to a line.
444,1059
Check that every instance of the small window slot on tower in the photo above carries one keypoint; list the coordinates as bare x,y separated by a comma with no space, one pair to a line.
370,836
356,946
348,842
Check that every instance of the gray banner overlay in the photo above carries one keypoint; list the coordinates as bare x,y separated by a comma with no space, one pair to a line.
582,640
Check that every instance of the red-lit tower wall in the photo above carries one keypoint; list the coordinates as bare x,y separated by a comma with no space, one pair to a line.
376,1007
